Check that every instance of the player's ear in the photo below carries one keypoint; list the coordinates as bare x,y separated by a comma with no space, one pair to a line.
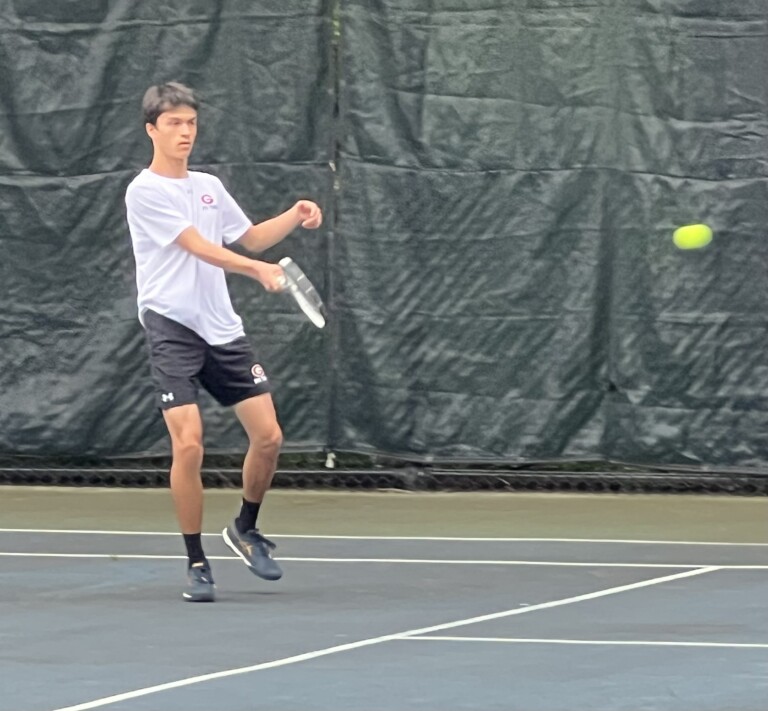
150,128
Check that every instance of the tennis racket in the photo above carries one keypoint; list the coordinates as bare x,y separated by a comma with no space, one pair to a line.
296,283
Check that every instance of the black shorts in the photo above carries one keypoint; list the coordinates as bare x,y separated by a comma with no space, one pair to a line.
181,361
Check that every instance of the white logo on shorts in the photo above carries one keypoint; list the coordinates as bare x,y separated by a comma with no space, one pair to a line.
167,397
259,376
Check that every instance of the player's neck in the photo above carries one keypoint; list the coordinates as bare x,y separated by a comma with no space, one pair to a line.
169,167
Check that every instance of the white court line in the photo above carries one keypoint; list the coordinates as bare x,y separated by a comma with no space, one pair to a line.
105,701
417,561
469,539
609,642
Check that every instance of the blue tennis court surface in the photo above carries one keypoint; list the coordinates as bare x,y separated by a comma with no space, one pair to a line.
95,620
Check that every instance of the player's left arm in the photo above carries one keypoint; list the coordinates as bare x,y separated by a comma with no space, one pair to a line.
264,235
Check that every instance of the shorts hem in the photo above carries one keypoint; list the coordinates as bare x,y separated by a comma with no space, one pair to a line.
241,397
163,406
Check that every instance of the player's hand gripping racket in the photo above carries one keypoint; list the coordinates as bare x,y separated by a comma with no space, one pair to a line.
300,287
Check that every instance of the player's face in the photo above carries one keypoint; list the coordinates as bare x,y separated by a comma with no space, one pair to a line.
174,133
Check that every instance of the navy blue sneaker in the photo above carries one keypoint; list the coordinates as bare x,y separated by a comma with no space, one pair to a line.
255,550
200,585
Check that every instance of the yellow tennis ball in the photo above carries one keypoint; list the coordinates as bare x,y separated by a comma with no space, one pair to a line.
692,236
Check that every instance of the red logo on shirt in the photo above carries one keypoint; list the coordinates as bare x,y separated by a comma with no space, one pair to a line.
207,199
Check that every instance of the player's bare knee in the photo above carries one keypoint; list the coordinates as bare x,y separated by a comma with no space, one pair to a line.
274,439
269,441
189,448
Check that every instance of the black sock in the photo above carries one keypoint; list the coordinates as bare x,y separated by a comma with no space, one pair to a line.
194,548
249,512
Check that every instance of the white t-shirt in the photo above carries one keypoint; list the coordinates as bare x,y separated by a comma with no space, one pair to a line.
170,280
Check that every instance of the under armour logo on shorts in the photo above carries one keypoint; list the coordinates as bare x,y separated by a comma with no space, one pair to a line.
167,397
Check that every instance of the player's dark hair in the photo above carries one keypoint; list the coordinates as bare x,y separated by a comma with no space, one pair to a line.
162,97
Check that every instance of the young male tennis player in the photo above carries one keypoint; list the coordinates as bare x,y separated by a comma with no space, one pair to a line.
179,222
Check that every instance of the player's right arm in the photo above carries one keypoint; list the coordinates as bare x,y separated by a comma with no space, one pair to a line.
270,275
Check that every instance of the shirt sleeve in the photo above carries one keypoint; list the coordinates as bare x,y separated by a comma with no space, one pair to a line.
151,214
234,222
